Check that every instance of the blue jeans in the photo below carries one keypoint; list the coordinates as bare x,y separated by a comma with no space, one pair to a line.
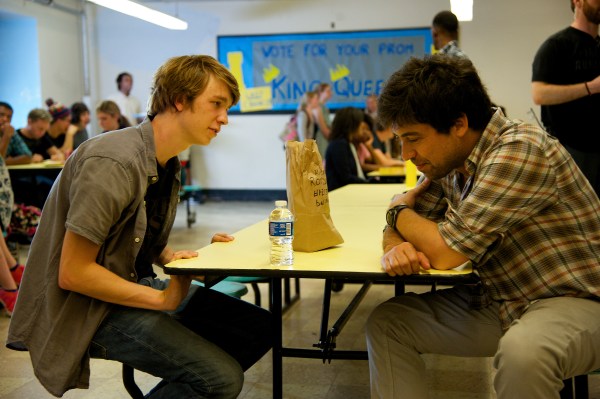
200,351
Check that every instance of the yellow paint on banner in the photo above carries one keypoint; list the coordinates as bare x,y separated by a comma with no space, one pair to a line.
256,99
251,98
235,59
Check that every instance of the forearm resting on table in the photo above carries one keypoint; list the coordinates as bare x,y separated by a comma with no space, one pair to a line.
424,235
79,272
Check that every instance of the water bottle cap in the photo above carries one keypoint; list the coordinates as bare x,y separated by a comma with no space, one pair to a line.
281,203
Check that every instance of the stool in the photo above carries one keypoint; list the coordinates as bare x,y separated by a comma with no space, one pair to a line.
253,281
288,300
187,193
231,288
577,387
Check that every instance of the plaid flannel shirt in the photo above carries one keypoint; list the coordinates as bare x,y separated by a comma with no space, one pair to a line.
527,218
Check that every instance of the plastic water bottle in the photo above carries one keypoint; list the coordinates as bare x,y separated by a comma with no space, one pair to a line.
281,233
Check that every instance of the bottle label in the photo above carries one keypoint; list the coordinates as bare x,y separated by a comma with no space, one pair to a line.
281,229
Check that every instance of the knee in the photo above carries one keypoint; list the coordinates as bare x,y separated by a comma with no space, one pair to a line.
386,317
522,354
377,321
226,382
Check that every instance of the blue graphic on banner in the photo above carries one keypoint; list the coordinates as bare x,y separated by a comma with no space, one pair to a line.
274,71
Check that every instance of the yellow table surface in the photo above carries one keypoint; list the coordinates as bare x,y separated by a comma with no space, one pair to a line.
47,164
357,211
388,171
365,195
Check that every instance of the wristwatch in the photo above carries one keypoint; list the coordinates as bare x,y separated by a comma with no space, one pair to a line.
392,215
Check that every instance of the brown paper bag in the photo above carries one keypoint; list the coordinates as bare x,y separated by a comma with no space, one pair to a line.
308,198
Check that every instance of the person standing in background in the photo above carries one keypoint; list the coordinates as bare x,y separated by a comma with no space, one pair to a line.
305,119
80,118
566,83
444,31
371,106
128,104
323,119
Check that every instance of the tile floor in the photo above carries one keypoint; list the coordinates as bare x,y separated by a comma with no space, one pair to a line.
450,378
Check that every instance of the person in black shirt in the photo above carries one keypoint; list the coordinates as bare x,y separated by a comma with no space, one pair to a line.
566,83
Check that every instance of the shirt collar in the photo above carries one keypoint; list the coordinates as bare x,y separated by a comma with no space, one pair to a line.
495,127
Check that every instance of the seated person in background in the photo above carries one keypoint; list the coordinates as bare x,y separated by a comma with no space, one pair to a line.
305,119
109,117
61,131
379,147
80,118
12,148
11,271
342,164
37,139
507,197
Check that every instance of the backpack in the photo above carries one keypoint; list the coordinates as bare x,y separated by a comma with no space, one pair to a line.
290,131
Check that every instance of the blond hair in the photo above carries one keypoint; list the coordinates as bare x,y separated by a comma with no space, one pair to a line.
183,78
37,114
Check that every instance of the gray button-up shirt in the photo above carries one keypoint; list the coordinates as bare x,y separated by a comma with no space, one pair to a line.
99,195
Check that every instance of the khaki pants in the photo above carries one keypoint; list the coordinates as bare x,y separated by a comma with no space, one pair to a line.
555,339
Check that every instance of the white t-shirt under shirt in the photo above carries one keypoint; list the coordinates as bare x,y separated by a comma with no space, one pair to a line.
128,105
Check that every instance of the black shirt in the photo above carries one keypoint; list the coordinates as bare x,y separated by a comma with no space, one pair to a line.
568,57
157,205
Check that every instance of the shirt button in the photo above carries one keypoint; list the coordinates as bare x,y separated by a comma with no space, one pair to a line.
132,275
137,239
154,178
487,282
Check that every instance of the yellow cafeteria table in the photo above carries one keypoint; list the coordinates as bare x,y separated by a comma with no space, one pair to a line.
358,212
24,179
389,174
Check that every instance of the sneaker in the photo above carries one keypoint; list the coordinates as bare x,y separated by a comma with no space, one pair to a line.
17,273
8,300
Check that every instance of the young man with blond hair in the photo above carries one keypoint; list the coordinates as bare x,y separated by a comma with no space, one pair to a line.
89,289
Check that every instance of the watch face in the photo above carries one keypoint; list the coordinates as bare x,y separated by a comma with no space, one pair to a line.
389,217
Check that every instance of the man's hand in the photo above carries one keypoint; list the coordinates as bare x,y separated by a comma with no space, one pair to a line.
221,237
7,131
169,255
403,259
410,197
176,291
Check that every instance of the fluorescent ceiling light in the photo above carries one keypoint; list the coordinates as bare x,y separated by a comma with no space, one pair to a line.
463,9
142,12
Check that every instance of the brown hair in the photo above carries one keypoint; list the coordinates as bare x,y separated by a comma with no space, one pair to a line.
435,90
184,78
111,108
